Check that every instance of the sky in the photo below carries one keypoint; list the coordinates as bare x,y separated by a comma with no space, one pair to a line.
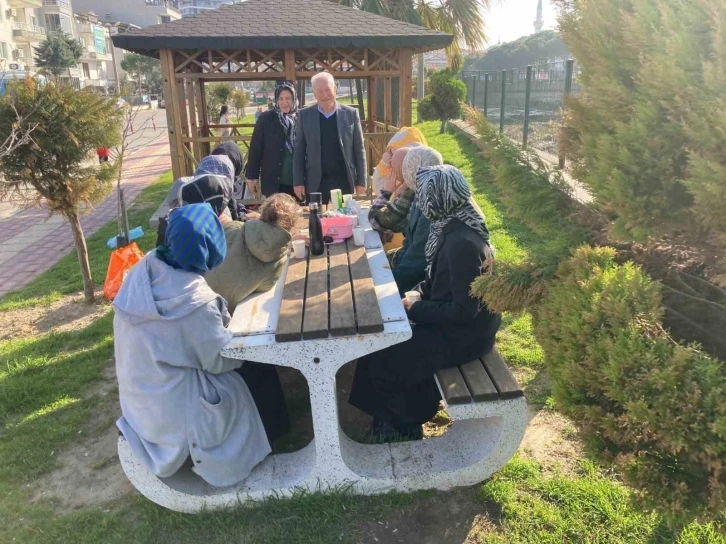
510,19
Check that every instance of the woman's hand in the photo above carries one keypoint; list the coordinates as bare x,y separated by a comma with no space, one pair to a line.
253,184
391,183
249,216
300,236
407,304
387,156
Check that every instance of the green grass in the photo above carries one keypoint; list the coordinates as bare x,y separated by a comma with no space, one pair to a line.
65,276
587,508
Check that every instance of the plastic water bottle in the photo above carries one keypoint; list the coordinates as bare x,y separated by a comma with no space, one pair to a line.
315,227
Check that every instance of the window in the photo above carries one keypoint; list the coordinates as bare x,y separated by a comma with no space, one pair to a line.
56,23
3,50
86,70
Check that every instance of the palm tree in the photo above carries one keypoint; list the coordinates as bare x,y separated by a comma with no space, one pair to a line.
462,18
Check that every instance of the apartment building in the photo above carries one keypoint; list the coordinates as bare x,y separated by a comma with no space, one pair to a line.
192,7
97,65
137,12
21,30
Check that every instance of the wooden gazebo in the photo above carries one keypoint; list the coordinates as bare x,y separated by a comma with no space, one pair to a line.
278,40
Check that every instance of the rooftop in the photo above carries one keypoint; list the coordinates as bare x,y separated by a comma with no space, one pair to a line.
294,24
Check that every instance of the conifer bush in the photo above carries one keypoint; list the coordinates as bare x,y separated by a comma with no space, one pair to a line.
655,408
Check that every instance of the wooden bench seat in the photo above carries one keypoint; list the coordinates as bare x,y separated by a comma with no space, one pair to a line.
481,380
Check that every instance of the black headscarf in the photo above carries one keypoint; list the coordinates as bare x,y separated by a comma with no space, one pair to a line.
232,151
206,188
287,120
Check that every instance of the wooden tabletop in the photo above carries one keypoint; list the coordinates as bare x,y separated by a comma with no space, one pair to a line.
330,294
348,291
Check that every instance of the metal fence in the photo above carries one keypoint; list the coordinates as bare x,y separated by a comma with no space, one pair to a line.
526,103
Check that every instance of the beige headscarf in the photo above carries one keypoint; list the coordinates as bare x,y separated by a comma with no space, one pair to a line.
417,158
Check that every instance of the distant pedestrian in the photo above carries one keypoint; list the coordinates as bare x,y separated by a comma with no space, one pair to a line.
103,154
258,113
224,120
270,104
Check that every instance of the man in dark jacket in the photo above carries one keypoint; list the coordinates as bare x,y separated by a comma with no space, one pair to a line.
329,148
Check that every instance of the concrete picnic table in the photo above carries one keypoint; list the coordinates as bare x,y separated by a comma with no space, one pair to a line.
323,313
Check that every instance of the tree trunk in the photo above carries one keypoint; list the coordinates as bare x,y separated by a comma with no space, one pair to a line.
82,250
359,92
443,126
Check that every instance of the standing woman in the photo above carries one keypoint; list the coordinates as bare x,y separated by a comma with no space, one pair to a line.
451,327
224,120
272,145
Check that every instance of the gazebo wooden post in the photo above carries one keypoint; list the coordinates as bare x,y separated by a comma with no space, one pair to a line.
290,73
387,102
173,120
405,90
372,110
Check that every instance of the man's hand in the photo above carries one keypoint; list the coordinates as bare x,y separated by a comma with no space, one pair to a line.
253,184
300,192
360,190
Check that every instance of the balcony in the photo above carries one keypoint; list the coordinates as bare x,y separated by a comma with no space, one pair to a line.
25,33
84,28
65,4
25,4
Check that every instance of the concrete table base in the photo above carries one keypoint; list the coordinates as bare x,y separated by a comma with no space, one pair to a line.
468,453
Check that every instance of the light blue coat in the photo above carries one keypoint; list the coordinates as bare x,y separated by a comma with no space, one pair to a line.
179,396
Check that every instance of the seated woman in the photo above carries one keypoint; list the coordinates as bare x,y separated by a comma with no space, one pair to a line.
179,397
211,165
396,385
408,263
406,137
233,152
255,257
256,251
389,211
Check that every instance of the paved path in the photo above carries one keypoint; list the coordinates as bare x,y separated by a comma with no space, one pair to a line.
31,243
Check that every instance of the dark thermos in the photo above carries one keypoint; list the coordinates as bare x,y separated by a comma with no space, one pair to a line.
315,228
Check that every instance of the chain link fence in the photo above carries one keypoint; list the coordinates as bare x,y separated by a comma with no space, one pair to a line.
526,103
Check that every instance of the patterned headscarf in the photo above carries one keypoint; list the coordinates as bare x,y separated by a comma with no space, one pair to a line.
219,165
287,120
417,158
443,194
195,239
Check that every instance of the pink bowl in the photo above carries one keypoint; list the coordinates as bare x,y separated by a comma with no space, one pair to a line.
339,228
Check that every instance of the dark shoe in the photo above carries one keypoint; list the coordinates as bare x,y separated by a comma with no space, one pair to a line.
383,431
410,431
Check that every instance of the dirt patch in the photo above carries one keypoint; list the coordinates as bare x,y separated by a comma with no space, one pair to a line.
441,518
551,440
70,313
89,474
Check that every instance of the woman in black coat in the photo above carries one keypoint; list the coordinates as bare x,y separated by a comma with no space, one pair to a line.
272,145
396,385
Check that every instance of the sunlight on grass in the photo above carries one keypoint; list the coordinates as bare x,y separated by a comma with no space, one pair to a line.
62,402
588,508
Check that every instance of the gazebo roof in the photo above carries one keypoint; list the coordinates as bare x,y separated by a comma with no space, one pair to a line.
278,24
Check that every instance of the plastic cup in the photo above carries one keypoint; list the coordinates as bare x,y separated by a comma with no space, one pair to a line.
413,296
359,236
298,246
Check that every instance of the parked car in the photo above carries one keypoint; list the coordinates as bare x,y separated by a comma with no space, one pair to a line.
162,103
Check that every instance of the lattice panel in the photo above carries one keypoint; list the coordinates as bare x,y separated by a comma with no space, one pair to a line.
332,60
214,61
